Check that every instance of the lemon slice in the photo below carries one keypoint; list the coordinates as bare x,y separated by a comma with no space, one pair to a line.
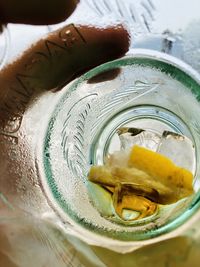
161,168
140,180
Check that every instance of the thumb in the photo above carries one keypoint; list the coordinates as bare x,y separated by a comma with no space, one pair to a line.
54,61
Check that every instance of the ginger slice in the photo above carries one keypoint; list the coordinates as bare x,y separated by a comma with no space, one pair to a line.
123,201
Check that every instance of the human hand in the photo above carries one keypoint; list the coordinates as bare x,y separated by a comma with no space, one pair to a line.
56,59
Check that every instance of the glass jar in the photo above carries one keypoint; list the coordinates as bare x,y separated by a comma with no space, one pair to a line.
32,201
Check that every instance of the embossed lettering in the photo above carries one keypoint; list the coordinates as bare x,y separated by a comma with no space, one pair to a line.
24,86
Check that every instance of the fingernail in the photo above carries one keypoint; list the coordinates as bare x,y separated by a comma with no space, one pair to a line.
93,47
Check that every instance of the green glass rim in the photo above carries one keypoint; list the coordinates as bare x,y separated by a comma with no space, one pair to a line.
164,65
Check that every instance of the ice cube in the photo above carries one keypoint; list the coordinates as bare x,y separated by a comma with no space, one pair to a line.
179,149
135,136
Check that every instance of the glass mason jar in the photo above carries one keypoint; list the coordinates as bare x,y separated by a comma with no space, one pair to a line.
45,197
147,90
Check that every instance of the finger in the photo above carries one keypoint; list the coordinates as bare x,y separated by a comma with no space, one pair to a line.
36,11
54,61
4,259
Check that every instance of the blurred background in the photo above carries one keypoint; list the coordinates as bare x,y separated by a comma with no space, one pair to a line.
171,26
